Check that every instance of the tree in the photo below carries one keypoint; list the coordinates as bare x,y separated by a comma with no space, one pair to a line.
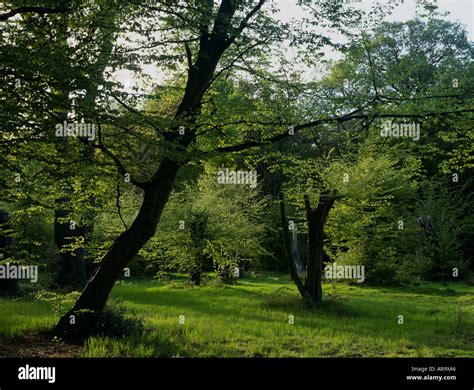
74,89
214,40
386,180
310,289
216,35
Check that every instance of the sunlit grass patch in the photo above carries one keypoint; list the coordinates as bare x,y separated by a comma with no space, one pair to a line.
265,317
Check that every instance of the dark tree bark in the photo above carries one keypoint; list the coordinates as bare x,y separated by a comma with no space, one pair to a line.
310,289
198,235
316,220
195,277
7,286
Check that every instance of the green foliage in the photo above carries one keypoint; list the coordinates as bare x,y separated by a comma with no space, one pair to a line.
30,239
222,227
453,233
60,303
62,66
116,320
371,224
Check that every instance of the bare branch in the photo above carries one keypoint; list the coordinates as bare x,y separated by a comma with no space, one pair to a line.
125,105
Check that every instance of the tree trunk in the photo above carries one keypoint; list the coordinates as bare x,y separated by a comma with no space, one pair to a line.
316,220
73,267
295,251
198,227
8,287
127,245
310,289
158,189
287,245
195,277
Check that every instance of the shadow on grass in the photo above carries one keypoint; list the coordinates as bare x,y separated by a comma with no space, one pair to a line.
423,289
349,315
329,306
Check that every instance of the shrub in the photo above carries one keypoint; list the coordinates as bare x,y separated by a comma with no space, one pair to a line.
118,321
114,321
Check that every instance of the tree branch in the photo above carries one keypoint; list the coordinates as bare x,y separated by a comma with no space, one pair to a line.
245,20
189,57
116,160
36,10
341,119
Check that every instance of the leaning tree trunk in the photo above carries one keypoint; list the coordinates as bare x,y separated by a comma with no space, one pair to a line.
295,252
287,246
95,295
310,289
81,319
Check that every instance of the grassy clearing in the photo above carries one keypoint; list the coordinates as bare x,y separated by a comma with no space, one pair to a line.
251,319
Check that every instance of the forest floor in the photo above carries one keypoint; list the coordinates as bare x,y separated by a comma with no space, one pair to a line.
262,316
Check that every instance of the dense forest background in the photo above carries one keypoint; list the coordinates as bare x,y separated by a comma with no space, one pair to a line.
250,152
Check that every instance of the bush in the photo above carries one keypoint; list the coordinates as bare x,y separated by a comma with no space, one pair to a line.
118,321
114,321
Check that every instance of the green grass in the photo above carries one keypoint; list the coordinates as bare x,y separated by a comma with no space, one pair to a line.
251,318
